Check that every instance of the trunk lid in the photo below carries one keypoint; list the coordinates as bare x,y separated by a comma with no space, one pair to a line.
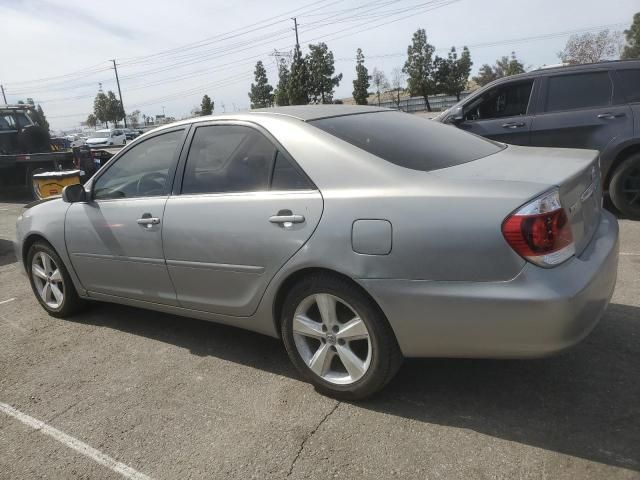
575,172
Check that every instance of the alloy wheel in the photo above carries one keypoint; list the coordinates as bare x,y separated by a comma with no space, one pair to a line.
47,279
332,339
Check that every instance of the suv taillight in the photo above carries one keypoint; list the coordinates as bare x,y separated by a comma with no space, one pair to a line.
540,231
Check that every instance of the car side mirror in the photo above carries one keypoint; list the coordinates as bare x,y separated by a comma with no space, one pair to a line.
74,193
456,116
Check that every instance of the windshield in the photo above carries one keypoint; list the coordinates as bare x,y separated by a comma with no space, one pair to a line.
100,135
407,140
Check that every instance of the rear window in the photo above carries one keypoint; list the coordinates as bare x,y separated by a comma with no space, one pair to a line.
630,84
407,140
584,90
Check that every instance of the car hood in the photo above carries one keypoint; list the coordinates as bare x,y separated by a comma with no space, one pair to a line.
97,140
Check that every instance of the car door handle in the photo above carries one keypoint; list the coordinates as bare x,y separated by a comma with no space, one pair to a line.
610,116
286,219
148,221
513,125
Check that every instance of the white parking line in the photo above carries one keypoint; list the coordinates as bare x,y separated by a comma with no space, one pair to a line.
7,301
74,444
630,254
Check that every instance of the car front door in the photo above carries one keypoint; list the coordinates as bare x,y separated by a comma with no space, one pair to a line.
115,239
501,113
244,208
580,111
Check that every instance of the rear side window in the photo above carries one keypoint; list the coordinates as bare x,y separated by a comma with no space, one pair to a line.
228,158
287,177
407,140
630,80
584,90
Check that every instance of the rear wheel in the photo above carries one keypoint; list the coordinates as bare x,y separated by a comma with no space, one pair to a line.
51,282
624,187
338,338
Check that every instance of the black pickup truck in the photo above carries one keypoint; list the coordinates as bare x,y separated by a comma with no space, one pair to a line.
26,147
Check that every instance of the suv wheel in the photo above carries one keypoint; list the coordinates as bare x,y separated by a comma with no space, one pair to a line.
338,338
624,188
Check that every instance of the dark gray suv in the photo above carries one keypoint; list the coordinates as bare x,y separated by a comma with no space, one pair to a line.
594,106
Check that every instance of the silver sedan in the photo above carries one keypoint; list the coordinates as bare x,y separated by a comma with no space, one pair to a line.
358,235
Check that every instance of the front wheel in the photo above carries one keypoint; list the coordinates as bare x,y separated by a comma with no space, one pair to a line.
338,338
51,282
624,187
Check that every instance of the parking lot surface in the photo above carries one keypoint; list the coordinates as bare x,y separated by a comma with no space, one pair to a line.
140,394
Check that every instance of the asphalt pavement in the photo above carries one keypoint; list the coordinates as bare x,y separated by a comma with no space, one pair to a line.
118,392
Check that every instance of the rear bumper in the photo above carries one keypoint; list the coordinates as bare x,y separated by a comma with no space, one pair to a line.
538,313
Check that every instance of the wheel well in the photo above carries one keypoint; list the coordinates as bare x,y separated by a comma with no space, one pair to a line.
26,245
295,277
622,155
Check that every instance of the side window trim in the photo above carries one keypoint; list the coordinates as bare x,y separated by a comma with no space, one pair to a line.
123,152
182,164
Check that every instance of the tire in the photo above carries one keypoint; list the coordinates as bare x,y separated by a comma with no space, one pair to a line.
378,355
625,178
70,302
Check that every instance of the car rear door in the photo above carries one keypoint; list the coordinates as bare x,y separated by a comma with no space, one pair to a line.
243,209
115,239
502,112
580,110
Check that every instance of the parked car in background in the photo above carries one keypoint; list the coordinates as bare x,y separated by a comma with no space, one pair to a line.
358,235
107,137
595,106
130,134
75,140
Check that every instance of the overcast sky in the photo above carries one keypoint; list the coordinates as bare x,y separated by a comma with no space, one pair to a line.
171,53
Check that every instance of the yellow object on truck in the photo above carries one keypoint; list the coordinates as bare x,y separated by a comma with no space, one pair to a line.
49,184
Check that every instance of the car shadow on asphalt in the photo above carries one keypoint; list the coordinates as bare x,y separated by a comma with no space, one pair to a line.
584,403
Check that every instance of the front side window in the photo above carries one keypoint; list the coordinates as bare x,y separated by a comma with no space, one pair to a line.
502,101
630,80
7,121
228,158
583,90
143,171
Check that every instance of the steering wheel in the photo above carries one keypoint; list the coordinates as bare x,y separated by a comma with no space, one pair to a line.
152,183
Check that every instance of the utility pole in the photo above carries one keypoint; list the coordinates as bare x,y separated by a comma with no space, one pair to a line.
120,93
295,26
3,95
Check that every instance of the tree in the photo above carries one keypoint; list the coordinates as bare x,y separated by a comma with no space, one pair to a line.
398,80
134,118
91,121
504,67
632,35
115,112
361,84
261,93
321,67
206,106
101,107
591,47
281,92
380,82
298,87
452,73
419,67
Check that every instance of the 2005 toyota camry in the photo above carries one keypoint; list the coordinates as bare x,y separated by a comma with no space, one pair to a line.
358,235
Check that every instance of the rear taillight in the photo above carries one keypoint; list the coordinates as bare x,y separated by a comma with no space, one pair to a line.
540,231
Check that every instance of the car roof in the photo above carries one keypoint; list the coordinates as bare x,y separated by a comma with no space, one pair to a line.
585,67
316,112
